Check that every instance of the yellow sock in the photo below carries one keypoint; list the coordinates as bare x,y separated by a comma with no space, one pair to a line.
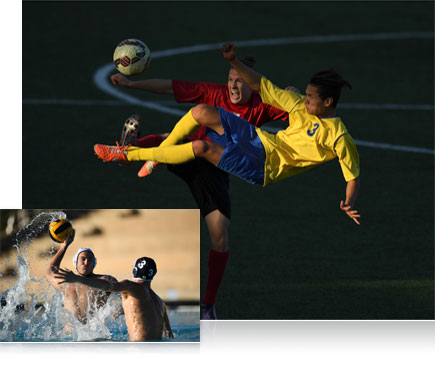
186,126
175,154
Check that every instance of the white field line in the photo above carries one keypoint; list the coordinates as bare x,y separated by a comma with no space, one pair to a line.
342,106
102,82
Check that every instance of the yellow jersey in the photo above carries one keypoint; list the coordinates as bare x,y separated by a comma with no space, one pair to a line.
308,141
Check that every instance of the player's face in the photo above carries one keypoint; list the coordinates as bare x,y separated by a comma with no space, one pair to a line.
314,103
239,91
85,263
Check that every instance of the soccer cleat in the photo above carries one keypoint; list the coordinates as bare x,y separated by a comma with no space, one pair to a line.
147,168
130,130
111,153
208,312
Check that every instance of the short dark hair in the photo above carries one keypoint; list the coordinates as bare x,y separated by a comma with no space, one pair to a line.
329,84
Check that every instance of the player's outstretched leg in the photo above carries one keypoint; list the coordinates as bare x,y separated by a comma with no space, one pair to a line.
175,154
201,114
168,152
116,153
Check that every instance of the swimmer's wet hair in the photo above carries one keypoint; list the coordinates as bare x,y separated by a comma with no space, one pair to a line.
329,84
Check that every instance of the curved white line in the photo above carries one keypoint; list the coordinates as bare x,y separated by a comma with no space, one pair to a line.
114,102
101,75
101,81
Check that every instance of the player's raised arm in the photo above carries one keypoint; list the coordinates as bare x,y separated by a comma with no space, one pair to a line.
251,77
352,189
162,86
54,264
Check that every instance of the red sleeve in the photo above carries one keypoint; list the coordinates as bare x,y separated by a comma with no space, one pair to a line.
194,92
261,113
275,113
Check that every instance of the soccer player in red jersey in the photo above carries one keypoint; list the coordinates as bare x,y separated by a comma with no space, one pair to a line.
208,184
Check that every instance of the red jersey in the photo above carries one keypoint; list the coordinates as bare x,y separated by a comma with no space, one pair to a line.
255,111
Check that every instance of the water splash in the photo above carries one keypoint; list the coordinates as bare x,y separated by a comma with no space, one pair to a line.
37,315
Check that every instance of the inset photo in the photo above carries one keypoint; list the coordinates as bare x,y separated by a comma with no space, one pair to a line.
110,275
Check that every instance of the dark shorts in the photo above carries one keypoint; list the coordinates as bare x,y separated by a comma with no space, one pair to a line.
244,154
209,185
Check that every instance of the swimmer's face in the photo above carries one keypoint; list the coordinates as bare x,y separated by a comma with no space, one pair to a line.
85,263
238,90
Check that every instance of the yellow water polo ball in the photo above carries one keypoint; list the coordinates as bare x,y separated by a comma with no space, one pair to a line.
59,230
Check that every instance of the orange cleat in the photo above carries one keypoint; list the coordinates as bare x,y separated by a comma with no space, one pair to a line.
112,153
147,168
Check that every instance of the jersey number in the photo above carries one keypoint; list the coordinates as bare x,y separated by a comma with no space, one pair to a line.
313,132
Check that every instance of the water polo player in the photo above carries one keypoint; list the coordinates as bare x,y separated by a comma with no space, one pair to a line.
145,312
79,300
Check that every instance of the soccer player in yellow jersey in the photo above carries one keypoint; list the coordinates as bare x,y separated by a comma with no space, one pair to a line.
314,136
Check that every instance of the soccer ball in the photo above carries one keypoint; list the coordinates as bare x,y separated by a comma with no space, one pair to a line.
59,229
131,57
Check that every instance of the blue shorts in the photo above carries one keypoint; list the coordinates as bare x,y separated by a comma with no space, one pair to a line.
244,154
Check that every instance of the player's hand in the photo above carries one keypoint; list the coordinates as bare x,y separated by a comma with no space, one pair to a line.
292,89
65,275
119,79
350,212
229,51
69,239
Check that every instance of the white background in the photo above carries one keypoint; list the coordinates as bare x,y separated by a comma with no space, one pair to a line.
10,106
250,346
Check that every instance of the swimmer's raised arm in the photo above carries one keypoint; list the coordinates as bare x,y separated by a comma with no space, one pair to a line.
54,264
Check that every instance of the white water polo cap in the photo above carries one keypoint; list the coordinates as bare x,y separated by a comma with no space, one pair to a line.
144,269
76,256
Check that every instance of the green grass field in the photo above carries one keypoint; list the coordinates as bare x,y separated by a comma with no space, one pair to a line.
294,254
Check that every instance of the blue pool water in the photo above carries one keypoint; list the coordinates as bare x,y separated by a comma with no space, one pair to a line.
27,317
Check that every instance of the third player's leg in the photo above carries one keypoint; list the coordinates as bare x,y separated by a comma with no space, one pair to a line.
218,226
